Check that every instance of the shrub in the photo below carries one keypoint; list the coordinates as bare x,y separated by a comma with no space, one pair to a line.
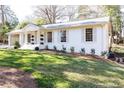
36,48
16,45
103,53
55,48
72,49
93,51
82,50
110,55
63,49
46,47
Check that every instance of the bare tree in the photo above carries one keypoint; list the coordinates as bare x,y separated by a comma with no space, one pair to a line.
71,11
49,12
90,11
7,15
2,14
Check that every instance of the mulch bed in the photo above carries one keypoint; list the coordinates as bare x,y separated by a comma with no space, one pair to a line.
14,78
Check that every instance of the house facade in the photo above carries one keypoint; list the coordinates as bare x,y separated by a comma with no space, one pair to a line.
87,34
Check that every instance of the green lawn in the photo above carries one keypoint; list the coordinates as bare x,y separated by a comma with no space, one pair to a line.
52,70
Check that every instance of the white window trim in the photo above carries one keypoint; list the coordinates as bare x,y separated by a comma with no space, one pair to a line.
92,35
67,36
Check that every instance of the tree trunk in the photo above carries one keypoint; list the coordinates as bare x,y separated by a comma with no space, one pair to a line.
111,35
2,14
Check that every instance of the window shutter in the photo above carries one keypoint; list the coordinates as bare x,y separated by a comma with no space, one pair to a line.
94,34
67,36
52,36
58,36
45,37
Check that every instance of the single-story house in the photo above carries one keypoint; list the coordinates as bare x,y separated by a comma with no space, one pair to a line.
87,34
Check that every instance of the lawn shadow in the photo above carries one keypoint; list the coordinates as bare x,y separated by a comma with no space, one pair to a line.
50,70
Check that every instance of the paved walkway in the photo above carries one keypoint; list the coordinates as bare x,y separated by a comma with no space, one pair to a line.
3,46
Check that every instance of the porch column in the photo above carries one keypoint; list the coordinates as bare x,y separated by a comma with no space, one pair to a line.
38,37
9,40
21,38
26,38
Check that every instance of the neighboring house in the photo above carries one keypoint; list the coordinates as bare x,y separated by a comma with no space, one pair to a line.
88,34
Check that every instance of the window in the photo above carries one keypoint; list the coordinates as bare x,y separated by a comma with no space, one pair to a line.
49,36
89,34
63,36
29,38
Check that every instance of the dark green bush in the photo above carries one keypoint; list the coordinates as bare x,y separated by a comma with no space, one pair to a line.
46,47
63,49
93,51
16,45
103,53
82,50
37,48
72,49
55,48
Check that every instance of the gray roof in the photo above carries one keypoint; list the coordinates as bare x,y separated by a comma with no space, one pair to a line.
33,27
77,23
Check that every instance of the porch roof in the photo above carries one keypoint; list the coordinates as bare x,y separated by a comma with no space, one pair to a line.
31,27
27,28
14,31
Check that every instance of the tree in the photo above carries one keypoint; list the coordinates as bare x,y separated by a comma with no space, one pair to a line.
93,11
38,21
8,22
3,30
49,12
7,15
83,11
22,24
115,13
70,12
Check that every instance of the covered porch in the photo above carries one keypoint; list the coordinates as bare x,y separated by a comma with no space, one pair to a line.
29,37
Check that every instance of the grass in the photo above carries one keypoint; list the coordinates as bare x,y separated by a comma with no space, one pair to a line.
53,70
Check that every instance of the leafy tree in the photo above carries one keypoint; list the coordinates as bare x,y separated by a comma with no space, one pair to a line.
115,13
38,21
9,21
3,30
22,24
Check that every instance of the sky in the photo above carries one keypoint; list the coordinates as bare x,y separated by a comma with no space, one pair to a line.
22,11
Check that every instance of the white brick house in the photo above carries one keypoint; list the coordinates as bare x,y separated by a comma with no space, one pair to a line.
88,34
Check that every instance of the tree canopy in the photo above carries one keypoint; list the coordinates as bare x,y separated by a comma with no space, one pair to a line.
8,21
